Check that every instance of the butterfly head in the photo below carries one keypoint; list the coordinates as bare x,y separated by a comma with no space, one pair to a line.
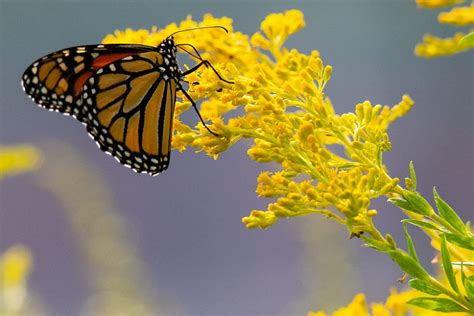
167,49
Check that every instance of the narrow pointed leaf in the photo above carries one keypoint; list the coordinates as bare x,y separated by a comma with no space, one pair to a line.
467,40
437,304
408,264
463,275
447,266
411,247
469,286
424,287
417,203
447,212
422,224
466,242
412,175
401,203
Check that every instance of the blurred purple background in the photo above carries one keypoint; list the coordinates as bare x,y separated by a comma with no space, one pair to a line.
185,224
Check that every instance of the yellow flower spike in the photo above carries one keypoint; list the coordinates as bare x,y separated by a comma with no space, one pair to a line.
282,108
305,75
433,46
435,4
260,155
372,213
389,186
358,307
259,40
367,112
380,310
15,266
327,73
310,89
357,145
362,185
293,187
18,159
458,16
330,198
359,110
376,110
305,130
385,144
397,301
259,219
395,305
277,27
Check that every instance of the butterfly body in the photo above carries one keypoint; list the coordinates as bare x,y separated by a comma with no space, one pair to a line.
124,94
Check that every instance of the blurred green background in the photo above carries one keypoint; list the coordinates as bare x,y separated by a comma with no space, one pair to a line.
106,239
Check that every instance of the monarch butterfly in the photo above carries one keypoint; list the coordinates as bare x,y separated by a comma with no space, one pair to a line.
124,94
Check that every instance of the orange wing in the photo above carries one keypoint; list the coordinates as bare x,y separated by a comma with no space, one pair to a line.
55,81
128,106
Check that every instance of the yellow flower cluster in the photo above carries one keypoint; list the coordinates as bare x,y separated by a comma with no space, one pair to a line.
459,16
433,46
395,305
358,307
278,100
435,4
15,266
18,159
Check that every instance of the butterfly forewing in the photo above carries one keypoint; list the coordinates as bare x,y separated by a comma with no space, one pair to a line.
55,81
129,106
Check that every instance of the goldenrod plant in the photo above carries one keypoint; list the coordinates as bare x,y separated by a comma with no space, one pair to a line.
16,261
15,267
18,159
459,16
279,102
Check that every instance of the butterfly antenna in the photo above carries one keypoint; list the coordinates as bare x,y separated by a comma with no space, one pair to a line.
200,28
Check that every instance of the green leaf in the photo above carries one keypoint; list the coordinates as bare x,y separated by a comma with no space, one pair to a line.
467,40
412,175
449,214
422,224
424,287
411,246
463,275
417,203
408,264
437,304
447,266
469,286
461,241
401,203
379,246
407,205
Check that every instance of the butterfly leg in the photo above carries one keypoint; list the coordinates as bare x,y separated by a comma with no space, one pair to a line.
196,53
207,64
196,109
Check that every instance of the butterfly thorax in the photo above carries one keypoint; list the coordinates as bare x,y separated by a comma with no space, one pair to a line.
169,68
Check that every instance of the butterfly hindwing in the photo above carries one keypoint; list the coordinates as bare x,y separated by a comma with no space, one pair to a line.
55,81
128,106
